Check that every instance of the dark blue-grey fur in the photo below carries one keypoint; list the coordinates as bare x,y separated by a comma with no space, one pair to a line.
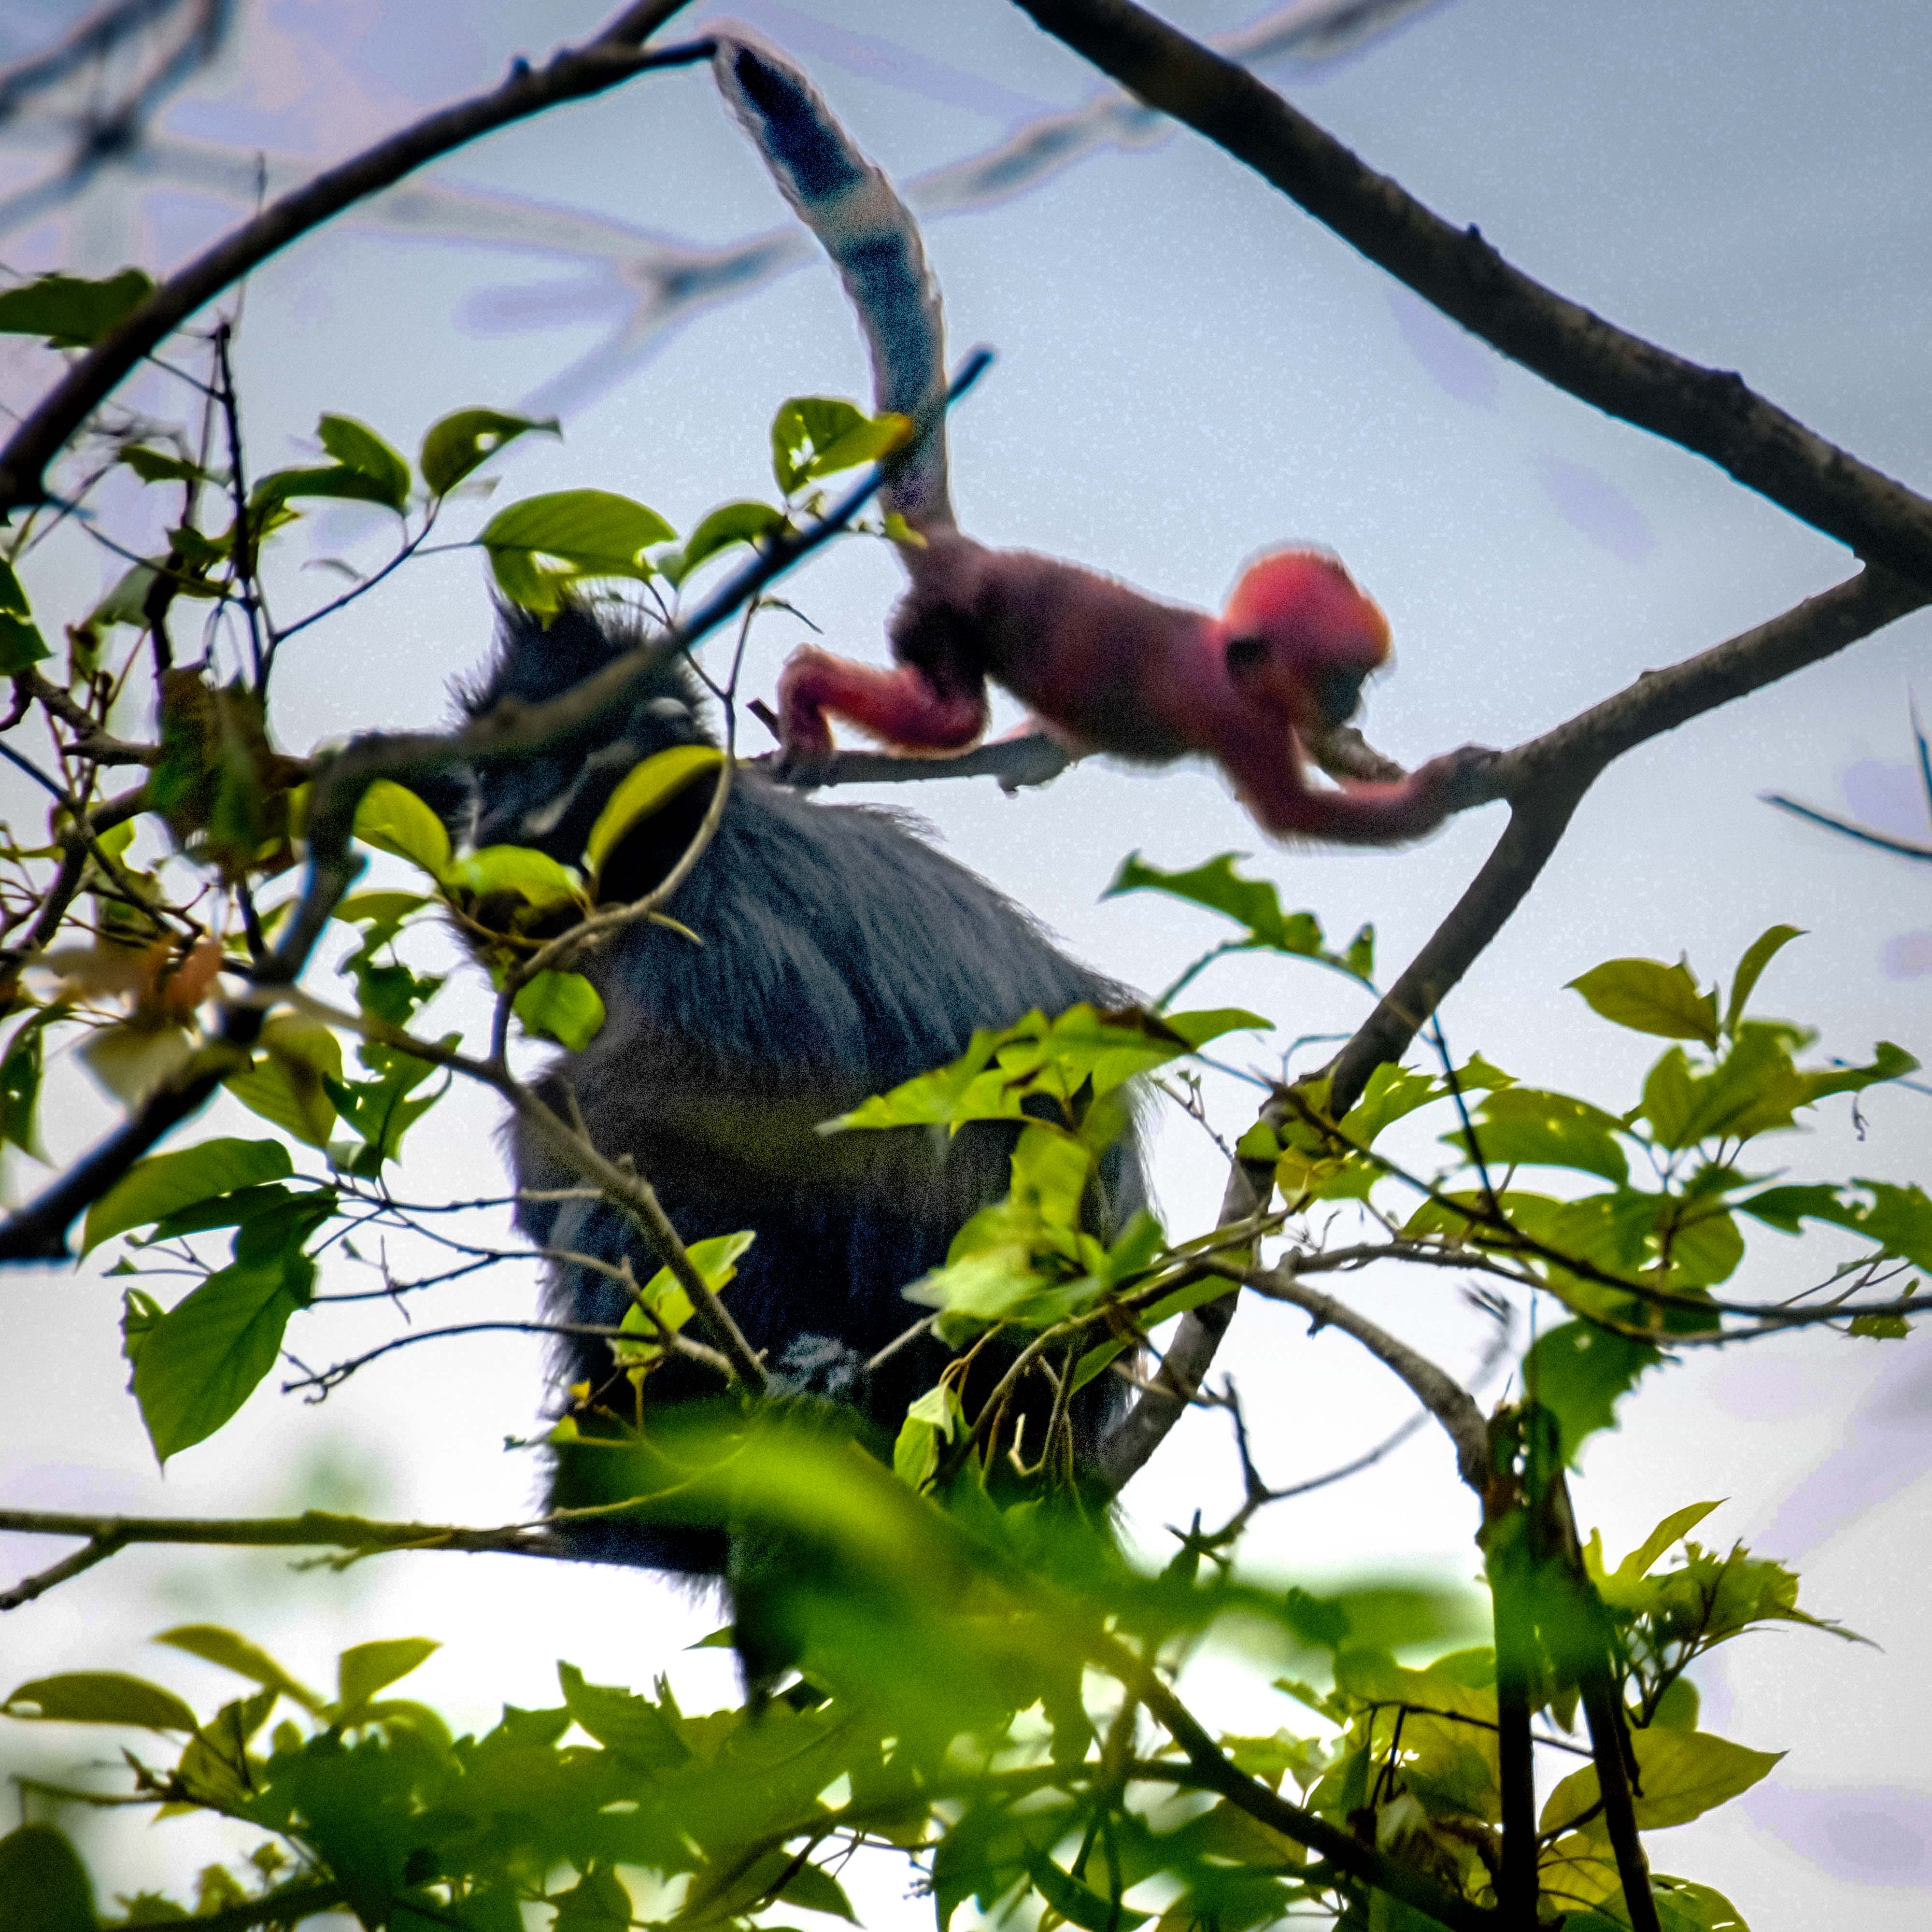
840,954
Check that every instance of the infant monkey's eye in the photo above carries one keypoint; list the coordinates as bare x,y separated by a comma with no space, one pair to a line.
1338,690
1245,653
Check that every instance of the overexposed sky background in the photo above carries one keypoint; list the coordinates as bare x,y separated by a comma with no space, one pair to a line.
1190,370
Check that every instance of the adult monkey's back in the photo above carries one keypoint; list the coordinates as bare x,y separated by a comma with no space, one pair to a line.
840,954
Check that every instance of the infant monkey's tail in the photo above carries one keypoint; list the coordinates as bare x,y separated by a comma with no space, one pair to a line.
873,242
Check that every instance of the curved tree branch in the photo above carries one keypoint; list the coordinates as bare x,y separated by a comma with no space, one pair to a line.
1543,780
1711,411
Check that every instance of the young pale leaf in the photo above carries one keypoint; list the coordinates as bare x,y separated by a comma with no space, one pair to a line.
1681,1775
393,819
864,442
715,1258
1649,997
1523,1126
1758,955
456,444
229,1652
937,1417
1579,1373
561,1007
367,1668
534,877
101,1697
730,523
803,426
163,1183
646,789
1673,1529
47,1885
202,1360
357,447
539,547
71,312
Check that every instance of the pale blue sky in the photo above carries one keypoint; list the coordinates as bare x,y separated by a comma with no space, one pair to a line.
1189,369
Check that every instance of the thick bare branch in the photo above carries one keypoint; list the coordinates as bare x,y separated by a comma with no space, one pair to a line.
1546,778
612,56
1709,411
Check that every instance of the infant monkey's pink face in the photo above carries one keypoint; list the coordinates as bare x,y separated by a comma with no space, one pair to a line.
1302,636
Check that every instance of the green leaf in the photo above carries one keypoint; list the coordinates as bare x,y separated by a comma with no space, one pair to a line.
1881,1327
202,1360
126,601
1079,1904
1253,904
393,819
366,1668
541,546
44,1885
1899,1219
1649,997
229,1652
715,1258
561,1007
20,1075
803,426
1765,948
1672,1530
12,593
864,442
534,877
456,444
101,1697
1579,1373
814,1888
1524,1127
162,466
1683,1775
288,1084
333,480
645,789
21,644
730,523
383,912
1668,1097
72,313
936,1417
1888,1063
632,1726
357,447
165,1183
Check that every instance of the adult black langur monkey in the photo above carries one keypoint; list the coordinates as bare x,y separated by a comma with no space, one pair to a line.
840,955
